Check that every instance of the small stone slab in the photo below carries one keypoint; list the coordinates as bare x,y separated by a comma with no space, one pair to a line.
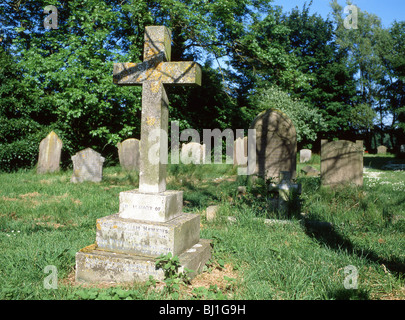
310,171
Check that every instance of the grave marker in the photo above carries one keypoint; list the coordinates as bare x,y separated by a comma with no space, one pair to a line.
341,162
305,155
192,152
240,152
150,220
276,144
49,154
128,153
87,166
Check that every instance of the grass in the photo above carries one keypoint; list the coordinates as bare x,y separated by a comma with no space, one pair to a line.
45,220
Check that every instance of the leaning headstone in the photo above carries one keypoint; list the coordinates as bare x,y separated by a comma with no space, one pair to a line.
305,155
128,153
87,166
341,162
382,150
310,171
192,152
276,144
49,154
150,221
240,151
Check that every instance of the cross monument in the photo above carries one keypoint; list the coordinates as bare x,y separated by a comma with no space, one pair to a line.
150,221
154,73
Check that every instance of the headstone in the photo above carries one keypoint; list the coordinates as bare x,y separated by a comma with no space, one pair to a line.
211,213
305,155
276,144
341,162
128,153
87,166
192,152
150,221
240,151
310,171
402,149
49,154
382,150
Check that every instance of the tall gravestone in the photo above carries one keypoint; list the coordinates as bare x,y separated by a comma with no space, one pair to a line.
49,153
128,154
276,144
150,221
341,162
192,152
382,150
305,155
87,166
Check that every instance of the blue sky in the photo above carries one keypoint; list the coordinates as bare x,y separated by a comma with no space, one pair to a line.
387,10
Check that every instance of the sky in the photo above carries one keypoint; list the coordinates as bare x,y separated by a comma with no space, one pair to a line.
387,10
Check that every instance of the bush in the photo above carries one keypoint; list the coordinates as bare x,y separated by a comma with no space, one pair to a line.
18,154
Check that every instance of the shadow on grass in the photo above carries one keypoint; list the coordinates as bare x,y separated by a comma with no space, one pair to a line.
326,234
378,162
348,294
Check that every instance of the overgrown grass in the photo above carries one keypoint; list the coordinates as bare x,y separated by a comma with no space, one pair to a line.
45,220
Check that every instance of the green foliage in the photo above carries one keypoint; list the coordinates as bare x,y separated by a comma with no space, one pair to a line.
107,294
307,120
173,279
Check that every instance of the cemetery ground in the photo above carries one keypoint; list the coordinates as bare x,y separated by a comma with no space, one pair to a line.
257,254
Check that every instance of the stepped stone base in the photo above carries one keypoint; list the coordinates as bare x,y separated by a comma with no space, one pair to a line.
94,265
148,238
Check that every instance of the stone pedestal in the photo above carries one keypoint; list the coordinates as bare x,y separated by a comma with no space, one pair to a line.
147,225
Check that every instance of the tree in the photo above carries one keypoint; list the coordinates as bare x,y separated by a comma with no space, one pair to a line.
68,71
330,88
391,50
307,120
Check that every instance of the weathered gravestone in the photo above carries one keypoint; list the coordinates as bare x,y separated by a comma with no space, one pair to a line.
49,154
402,149
382,150
341,162
128,154
305,155
150,221
87,166
240,151
192,152
276,144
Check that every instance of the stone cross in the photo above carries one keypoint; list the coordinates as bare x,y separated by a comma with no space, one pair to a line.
154,73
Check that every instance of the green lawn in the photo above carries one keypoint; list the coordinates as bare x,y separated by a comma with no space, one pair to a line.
45,220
